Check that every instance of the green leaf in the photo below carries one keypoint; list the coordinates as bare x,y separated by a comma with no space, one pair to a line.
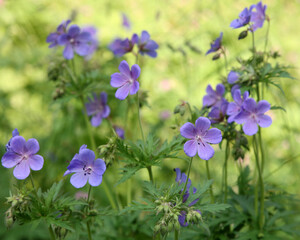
278,108
214,208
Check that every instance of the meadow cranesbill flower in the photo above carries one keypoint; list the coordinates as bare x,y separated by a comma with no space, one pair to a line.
24,156
253,114
214,98
125,22
258,17
97,108
200,136
75,40
15,132
181,179
146,45
217,114
75,157
233,77
126,80
94,43
120,132
244,18
86,168
236,107
53,37
119,46
216,44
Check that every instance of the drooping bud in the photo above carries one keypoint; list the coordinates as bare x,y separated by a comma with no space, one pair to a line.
243,35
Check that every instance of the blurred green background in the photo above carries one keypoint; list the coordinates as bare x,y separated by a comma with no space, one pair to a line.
26,93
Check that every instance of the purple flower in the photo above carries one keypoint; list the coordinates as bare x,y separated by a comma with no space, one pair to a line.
252,115
244,18
119,46
200,135
75,40
126,80
75,157
215,45
236,107
217,114
94,43
258,17
23,155
146,45
97,108
86,168
120,132
53,37
214,98
14,133
181,179
125,22
233,77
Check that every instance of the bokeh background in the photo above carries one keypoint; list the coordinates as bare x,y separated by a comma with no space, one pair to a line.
183,29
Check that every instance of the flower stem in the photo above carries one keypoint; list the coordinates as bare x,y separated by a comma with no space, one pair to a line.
225,59
150,173
139,116
129,186
212,200
253,48
262,153
267,36
52,235
176,234
87,211
227,151
188,176
31,179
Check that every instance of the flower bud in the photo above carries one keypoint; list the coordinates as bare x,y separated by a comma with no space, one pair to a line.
170,226
243,35
216,56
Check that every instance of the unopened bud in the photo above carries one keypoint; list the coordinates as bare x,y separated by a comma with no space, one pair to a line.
243,35
216,56
177,109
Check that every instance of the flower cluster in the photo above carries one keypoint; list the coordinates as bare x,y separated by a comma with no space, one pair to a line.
144,44
81,41
22,155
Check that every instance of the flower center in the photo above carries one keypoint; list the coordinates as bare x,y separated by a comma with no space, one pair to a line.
130,81
87,170
199,140
253,116
72,40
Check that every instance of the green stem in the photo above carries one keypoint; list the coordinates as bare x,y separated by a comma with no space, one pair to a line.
212,199
31,179
109,195
262,153
150,173
89,230
267,36
253,47
139,116
87,211
129,186
188,176
176,234
262,190
227,151
225,59
257,185
52,235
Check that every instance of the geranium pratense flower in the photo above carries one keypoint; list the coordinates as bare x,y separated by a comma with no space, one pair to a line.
147,46
253,114
15,132
97,108
233,77
215,45
181,178
217,114
53,37
75,40
94,43
200,136
236,107
119,46
126,80
84,146
120,132
244,18
23,156
86,168
258,17
214,98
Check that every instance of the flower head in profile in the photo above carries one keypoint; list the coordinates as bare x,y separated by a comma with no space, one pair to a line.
217,114
216,44
214,98
244,18
253,115
23,156
233,77
125,22
200,138
53,37
119,46
84,146
94,42
120,132
258,17
146,45
86,169
126,80
15,132
97,108
236,107
75,40
181,178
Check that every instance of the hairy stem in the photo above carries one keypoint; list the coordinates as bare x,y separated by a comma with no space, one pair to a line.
212,199
87,211
139,117
188,176
150,173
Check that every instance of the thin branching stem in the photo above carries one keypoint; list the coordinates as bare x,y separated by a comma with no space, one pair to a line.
188,176
212,199
227,153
